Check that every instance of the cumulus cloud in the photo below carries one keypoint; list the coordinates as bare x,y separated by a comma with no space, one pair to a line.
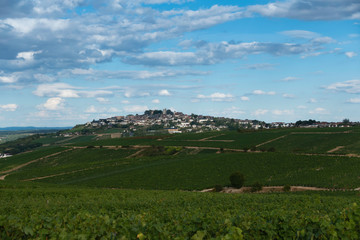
288,79
9,107
288,95
164,92
354,100
93,109
260,112
52,104
261,92
282,112
212,53
217,97
155,101
301,34
102,100
257,66
350,86
319,110
244,98
65,90
351,54
310,9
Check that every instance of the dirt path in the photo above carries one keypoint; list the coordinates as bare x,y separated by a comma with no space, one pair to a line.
269,189
207,138
3,177
335,149
327,133
272,140
136,154
33,161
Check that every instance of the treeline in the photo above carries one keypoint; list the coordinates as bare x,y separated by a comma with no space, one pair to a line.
20,145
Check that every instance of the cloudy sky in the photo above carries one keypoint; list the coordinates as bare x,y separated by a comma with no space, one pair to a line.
64,62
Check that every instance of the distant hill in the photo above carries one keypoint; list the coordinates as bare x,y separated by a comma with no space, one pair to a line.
32,128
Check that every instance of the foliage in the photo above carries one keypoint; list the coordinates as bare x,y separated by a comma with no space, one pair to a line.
72,213
218,188
237,179
256,187
287,188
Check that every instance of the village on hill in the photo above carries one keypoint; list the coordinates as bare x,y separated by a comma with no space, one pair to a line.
167,121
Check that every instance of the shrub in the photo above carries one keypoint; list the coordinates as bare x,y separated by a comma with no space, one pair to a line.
90,146
286,188
256,187
218,188
237,179
253,148
272,149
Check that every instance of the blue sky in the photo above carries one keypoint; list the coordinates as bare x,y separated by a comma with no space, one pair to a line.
66,62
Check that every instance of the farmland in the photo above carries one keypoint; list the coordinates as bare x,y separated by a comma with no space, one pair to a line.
141,187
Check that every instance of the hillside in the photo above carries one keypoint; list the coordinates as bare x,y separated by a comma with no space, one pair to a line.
87,175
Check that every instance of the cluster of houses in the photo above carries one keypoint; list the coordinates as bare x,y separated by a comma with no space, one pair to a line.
173,122
178,122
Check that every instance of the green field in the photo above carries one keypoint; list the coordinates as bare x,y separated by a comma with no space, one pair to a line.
105,189
44,212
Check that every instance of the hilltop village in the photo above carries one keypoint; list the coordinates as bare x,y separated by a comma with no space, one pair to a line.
167,121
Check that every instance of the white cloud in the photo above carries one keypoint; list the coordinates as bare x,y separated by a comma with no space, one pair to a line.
354,100
350,86
256,66
310,10
301,107
312,100
164,92
287,95
8,79
55,103
260,112
283,112
125,102
65,90
319,110
287,79
135,108
244,98
261,92
351,54
155,101
217,97
301,34
9,107
102,100
93,109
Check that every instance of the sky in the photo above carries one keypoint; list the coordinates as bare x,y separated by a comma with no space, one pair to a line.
67,62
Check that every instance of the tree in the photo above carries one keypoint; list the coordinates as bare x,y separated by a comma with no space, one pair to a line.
237,179
346,121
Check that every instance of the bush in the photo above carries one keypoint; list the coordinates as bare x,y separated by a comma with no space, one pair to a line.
286,188
237,179
256,187
218,188
271,149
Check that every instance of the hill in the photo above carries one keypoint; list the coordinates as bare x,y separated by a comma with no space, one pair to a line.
80,180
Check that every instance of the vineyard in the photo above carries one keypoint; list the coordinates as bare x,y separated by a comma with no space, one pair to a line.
143,187
35,212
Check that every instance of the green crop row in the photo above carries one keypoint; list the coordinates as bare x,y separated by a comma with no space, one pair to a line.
70,213
110,168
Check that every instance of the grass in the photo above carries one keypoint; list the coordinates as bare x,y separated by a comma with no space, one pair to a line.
110,168
11,162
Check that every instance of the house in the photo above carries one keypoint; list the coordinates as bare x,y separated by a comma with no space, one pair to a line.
173,130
